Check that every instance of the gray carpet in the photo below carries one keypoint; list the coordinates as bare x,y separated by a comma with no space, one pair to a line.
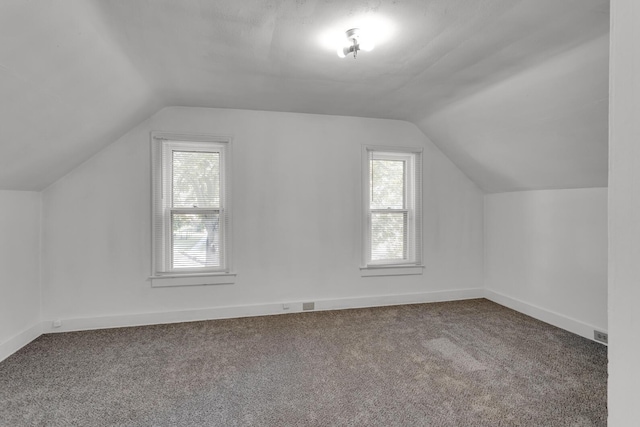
467,363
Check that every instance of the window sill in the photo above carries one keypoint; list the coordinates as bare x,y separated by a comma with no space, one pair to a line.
391,270
199,279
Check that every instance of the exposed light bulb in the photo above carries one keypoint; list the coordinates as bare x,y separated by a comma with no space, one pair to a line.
365,32
355,43
366,45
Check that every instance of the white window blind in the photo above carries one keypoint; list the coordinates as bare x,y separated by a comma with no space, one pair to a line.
190,204
392,201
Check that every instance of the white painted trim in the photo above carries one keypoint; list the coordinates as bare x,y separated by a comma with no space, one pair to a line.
401,299
80,324
415,187
388,270
15,343
125,320
561,321
165,141
193,280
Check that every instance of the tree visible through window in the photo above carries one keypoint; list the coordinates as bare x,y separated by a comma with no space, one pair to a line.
189,202
393,218
195,217
388,210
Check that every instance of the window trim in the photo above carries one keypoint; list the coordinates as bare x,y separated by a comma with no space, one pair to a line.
160,277
413,196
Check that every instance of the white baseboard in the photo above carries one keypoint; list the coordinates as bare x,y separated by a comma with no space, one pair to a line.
561,321
15,343
387,300
105,322
88,323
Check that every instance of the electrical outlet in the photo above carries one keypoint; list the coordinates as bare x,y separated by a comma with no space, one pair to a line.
308,306
57,323
602,337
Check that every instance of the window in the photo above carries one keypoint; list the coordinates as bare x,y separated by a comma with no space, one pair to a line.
392,227
191,221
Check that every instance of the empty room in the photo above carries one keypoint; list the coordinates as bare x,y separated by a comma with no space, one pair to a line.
319,213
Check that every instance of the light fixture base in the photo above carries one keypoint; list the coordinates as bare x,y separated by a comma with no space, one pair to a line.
353,34
354,45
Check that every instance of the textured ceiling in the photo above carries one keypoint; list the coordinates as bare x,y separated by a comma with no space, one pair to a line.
513,91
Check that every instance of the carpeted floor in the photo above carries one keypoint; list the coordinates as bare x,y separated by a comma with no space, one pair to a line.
467,363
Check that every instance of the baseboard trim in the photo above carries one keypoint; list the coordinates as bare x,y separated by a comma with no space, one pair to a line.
15,343
561,321
119,321
400,299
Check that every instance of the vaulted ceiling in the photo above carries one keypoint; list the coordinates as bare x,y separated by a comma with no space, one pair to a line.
515,92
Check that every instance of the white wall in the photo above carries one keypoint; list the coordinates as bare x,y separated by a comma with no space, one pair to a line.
546,255
296,182
624,215
20,268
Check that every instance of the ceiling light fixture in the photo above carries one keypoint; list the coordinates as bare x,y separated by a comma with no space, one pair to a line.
354,42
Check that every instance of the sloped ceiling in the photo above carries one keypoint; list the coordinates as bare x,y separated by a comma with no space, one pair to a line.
513,91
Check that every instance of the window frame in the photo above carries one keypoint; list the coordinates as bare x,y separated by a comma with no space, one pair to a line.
412,263
162,211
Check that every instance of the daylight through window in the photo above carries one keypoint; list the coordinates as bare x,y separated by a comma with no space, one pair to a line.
392,201
190,215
